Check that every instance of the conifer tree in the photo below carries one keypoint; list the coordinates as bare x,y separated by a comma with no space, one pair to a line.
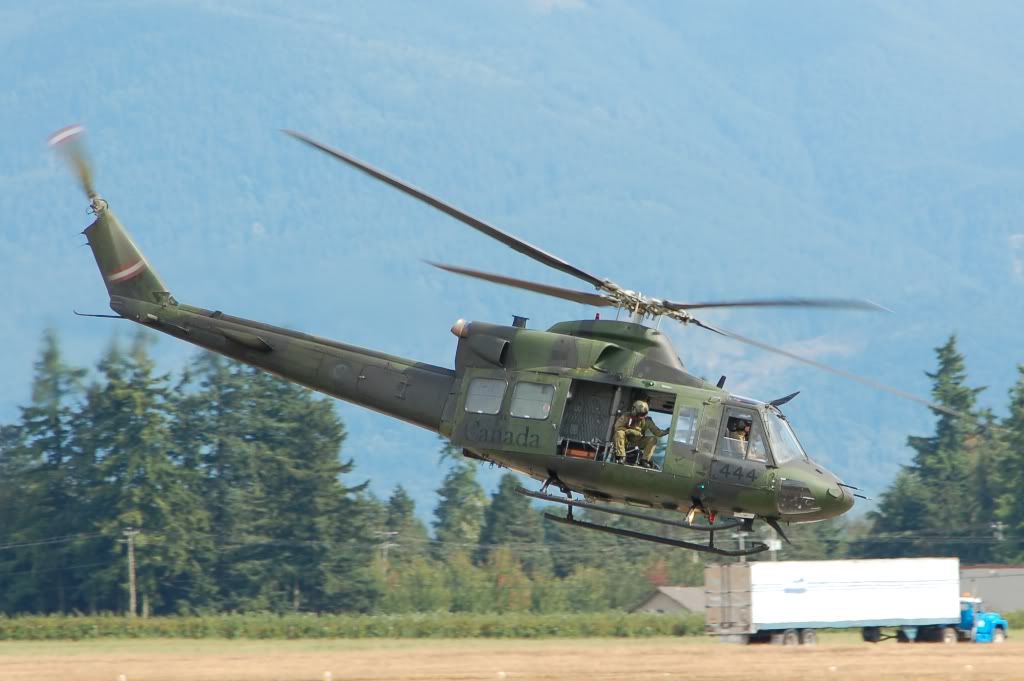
211,433
404,531
48,495
511,522
142,485
459,514
303,545
1010,505
930,507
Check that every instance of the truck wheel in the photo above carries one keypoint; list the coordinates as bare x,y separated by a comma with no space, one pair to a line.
949,635
808,637
871,634
790,637
999,635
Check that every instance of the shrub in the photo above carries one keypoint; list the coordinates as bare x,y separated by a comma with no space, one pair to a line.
413,625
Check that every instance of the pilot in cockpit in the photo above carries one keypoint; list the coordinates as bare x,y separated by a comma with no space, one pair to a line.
737,435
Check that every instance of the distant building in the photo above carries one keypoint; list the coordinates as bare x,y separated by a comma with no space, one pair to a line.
674,600
1001,587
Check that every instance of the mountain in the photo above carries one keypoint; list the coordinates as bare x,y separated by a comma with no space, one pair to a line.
687,150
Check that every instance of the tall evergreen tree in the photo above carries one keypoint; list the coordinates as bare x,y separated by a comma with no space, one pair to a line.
143,486
213,414
49,505
511,522
406,533
304,544
459,514
1010,505
930,508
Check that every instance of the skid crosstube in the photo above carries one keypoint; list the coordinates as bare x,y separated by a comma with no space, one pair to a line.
756,547
629,514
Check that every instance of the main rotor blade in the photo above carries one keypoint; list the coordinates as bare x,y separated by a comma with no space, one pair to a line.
584,297
511,241
830,303
834,370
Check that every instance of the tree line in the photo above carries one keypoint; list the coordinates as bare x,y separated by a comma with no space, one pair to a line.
239,498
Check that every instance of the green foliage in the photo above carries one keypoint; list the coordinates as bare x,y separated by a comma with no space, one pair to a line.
940,503
1010,461
236,483
459,514
231,477
1016,621
512,523
265,626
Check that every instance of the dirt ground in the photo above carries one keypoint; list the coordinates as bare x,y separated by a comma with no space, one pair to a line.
697,659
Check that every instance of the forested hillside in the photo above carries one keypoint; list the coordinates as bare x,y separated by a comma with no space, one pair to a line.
239,496
687,150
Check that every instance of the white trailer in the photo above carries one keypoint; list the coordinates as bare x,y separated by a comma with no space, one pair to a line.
788,601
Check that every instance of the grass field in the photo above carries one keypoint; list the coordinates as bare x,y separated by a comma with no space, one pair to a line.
837,657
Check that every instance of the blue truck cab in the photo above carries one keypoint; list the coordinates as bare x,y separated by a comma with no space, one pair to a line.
980,626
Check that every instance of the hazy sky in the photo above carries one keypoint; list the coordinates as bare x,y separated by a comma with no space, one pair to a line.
687,150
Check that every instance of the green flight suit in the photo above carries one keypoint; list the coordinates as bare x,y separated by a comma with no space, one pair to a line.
636,431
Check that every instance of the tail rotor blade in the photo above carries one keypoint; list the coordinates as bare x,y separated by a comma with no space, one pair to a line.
68,143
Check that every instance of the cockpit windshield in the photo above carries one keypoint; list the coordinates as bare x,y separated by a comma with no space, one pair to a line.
785,446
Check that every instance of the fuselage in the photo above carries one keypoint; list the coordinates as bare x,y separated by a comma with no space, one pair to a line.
539,402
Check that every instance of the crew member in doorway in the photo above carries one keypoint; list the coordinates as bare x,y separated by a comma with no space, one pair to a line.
637,429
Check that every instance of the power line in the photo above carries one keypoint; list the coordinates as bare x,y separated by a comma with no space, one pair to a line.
63,539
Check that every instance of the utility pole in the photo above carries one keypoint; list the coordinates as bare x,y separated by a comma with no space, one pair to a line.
385,545
741,540
130,534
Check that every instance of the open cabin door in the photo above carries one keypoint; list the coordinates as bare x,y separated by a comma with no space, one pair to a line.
591,408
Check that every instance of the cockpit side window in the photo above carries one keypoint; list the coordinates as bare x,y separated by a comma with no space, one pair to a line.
735,437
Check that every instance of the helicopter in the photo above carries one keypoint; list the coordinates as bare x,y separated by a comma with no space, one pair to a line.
541,402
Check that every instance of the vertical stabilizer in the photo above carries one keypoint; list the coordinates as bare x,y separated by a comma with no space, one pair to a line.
125,271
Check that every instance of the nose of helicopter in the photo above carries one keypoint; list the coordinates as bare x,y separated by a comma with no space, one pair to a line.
836,499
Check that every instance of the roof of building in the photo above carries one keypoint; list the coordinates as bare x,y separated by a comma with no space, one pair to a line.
690,597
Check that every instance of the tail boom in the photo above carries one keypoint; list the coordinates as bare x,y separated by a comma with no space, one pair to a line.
412,391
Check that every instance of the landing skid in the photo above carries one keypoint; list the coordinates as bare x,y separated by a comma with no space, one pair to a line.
756,547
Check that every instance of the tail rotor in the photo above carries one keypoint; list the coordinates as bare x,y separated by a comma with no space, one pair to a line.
126,273
69,144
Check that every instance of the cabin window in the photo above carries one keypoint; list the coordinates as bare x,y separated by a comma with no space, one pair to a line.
686,426
532,400
484,395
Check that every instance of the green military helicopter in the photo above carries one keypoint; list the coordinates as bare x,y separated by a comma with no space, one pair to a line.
543,403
